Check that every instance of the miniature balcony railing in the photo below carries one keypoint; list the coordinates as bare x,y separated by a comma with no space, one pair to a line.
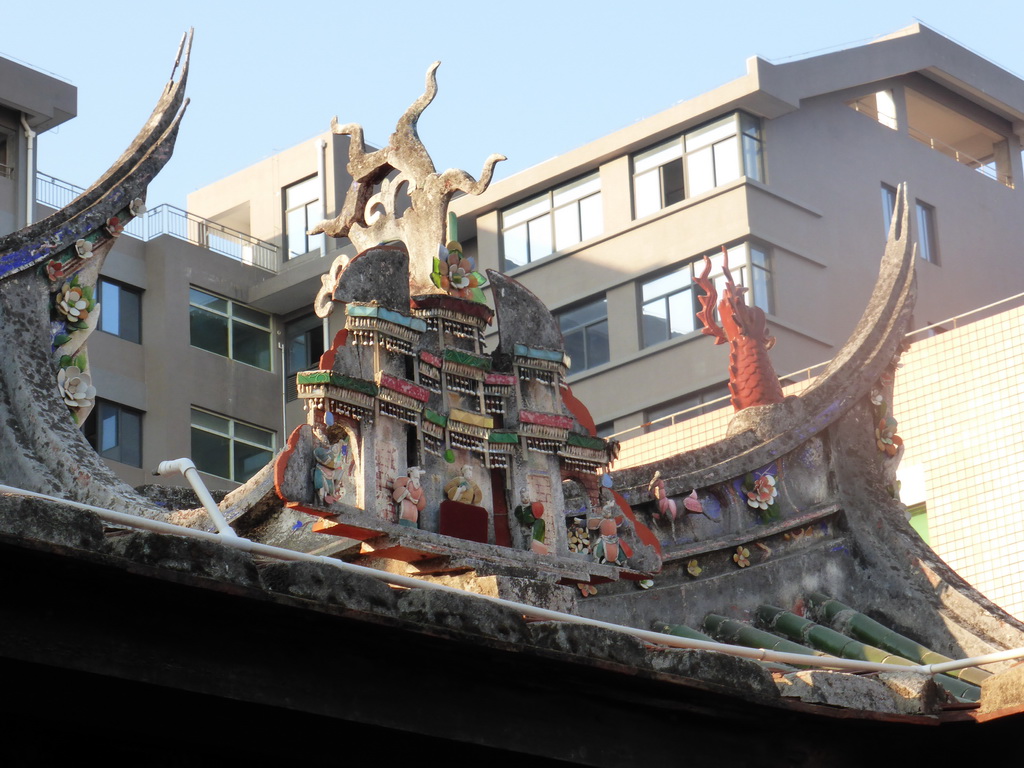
169,220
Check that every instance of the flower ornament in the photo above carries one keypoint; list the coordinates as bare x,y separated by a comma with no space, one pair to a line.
83,248
114,226
75,303
76,388
763,493
456,273
693,568
137,207
742,557
54,271
587,590
886,439
645,583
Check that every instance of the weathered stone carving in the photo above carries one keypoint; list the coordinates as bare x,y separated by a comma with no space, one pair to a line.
372,213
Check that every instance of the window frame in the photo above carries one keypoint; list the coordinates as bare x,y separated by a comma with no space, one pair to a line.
585,329
312,213
95,430
133,334
745,274
927,232
232,438
232,318
586,205
692,146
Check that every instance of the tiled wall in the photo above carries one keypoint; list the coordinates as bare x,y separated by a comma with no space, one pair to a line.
959,401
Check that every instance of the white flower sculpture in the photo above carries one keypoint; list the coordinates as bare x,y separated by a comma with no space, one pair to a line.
84,249
137,207
72,303
76,387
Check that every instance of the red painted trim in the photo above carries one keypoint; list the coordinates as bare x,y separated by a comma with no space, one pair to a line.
507,379
404,387
545,419
579,410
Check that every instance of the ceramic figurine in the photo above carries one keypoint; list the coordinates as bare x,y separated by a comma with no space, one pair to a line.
531,515
328,470
609,547
410,499
463,489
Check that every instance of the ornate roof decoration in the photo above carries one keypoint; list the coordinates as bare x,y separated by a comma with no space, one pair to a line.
373,212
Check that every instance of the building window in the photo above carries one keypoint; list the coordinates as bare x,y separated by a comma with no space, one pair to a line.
121,310
669,302
888,207
697,161
227,448
927,240
879,106
115,432
554,221
304,345
585,330
303,210
229,329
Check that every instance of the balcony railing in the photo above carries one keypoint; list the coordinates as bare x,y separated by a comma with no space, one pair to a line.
170,220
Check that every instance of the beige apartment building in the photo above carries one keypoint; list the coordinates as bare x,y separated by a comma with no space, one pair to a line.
792,167
207,314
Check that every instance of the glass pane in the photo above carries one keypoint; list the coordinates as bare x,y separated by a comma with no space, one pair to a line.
672,181
110,307
575,349
209,421
515,247
211,453
131,438
761,288
130,309
254,435
251,315
587,313
709,134
525,211
680,311
208,331
647,192
750,125
700,172
727,161
591,217
655,322
540,237
576,190
752,161
670,283
567,226
108,429
251,346
203,299
295,227
248,461
597,344
299,194
658,156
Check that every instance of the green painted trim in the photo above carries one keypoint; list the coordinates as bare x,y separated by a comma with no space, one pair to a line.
434,417
467,358
503,437
337,380
586,441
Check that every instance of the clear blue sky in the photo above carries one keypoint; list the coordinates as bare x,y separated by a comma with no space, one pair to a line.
528,79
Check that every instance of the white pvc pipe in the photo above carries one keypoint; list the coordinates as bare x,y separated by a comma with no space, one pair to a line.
30,171
188,469
654,638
